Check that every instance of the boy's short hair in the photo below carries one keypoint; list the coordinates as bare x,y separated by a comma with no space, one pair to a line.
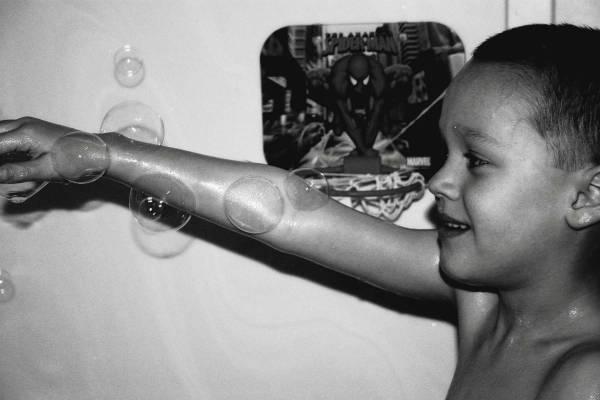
561,65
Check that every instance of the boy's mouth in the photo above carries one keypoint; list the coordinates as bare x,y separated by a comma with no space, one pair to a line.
451,227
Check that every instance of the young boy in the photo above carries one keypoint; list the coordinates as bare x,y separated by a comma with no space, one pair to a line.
518,198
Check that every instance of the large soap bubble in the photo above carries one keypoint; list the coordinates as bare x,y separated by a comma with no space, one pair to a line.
80,157
136,121
253,204
156,227
154,212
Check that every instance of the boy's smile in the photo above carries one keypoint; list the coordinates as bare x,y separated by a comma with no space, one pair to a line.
451,227
501,201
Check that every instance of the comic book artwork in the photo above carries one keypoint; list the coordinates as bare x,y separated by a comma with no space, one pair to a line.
354,108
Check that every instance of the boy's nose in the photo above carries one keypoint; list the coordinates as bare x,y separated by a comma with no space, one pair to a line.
444,184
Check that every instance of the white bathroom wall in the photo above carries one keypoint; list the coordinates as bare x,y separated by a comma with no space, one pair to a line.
95,316
583,12
528,12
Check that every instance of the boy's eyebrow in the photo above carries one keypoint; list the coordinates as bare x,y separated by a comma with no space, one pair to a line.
476,136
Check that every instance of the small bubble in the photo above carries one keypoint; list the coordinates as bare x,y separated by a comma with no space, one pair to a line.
129,67
307,189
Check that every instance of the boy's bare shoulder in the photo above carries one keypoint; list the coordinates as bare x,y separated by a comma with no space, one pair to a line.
576,375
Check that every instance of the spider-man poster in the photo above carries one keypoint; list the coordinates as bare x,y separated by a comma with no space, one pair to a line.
357,98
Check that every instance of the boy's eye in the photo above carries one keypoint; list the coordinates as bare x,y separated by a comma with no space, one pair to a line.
473,161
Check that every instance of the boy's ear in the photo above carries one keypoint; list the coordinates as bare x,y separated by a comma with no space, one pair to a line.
585,211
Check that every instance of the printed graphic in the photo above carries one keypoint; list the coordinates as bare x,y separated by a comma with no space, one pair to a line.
360,104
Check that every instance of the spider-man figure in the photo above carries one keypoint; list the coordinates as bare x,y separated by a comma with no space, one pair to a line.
358,84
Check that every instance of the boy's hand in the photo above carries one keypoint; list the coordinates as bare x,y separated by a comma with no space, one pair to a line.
25,145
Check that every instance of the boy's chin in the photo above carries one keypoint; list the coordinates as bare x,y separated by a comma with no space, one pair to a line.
448,267
461,272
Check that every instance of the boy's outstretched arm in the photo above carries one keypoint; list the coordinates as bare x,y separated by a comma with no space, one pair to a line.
253,199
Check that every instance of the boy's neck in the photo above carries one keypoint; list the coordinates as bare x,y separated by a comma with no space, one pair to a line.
551,308
563,298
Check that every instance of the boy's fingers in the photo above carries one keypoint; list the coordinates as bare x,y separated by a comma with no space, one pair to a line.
9,142
8,125
35,170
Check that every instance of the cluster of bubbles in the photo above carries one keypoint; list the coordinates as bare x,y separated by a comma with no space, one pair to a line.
129,71
255,204
81,158
156,222
252,204
139,122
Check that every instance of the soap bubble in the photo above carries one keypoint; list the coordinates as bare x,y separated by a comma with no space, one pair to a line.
153,212
253,205
7,289
307,189
129,66
136,121
80,157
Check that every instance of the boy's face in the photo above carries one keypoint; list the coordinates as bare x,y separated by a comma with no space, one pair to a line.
502,202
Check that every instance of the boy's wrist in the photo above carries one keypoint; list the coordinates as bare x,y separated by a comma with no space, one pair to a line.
117,145
79,157
125,156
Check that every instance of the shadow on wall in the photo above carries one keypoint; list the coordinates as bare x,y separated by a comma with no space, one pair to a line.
296,266
74,197
58,196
